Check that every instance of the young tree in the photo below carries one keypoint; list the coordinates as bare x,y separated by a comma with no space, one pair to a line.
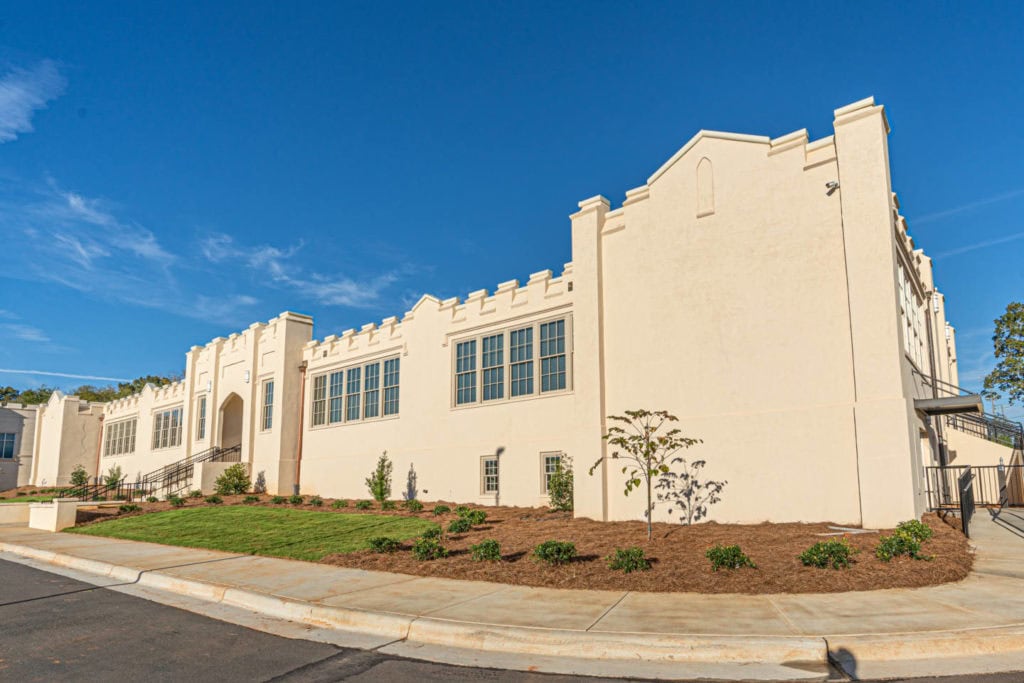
560,485
113,476
379,481
639,439
79,477
1008,348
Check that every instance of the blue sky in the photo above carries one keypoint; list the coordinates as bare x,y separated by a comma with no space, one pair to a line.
171,172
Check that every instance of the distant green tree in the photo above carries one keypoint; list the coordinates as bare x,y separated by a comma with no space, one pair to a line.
36,396
8,394
1008,348
87,392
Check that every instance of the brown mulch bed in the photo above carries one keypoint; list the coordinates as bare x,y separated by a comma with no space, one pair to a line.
676,553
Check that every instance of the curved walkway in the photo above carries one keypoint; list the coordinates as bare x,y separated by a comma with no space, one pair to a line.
972,626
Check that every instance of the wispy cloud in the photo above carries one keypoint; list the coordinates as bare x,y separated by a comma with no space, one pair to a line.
939,215
48,373
979,245
23,333
23,92
330,290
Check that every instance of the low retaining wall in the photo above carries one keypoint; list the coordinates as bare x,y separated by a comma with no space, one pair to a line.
14,513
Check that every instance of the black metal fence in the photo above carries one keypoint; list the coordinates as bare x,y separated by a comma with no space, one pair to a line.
965,487
993,485
988,427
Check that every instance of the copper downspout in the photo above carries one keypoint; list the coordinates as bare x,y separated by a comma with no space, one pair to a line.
99,449
302,406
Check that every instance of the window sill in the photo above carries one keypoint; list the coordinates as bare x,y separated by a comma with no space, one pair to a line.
508,401
366,421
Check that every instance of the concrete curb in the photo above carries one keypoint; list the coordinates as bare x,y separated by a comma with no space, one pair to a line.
495,638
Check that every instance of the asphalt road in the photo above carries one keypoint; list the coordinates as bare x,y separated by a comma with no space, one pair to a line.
58,629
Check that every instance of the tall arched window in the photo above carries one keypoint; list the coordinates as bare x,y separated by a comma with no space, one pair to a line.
705,188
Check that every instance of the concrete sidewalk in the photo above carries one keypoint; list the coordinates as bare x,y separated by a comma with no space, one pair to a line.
973,626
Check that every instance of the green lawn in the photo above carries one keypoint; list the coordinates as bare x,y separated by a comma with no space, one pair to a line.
28,499
296,534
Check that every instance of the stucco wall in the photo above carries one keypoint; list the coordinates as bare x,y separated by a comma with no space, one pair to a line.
21,421
67,433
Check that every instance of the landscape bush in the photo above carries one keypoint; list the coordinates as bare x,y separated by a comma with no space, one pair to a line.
152,499
387,505
214,499
919,531
195,493
233,480
474,517
339,504
628,560
79,477
428,549
316,501
413,505
555,552
363,505
461,510
487,550
899,543
278,500
113,475
728,557
441,509
296,499
835,553
176,501
434,532
130,507
460,525
251,499
384,544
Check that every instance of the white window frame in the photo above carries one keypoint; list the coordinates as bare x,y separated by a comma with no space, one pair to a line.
354,395
485,477
201,418
167,426
8,438
545,475
267,407
473,369
119,437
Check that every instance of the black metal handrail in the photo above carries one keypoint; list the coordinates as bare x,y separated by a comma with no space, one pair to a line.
993,485
990,427
177,476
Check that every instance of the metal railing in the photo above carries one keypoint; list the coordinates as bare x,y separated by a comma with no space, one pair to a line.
993,485
177,476
120,490
990,427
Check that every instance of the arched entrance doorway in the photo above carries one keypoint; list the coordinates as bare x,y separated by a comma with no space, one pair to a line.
231,421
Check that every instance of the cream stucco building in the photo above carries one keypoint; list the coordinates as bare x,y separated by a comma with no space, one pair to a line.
764,290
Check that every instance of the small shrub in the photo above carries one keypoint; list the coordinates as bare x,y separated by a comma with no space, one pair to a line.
234,479
900,543
278,500
363,505
120,497
384,544
152,499
79,477
388,505
316,501
379,481
296,499
441,509
434,532
459,526
113,476
130,507
835,553
413,505
196,493
474,517
176,501
728,557
251,499
461,510
628,560
339,504
919,531
428,549
487,550
555,552
214,500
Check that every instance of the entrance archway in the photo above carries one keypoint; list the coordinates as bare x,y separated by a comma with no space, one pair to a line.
231,421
